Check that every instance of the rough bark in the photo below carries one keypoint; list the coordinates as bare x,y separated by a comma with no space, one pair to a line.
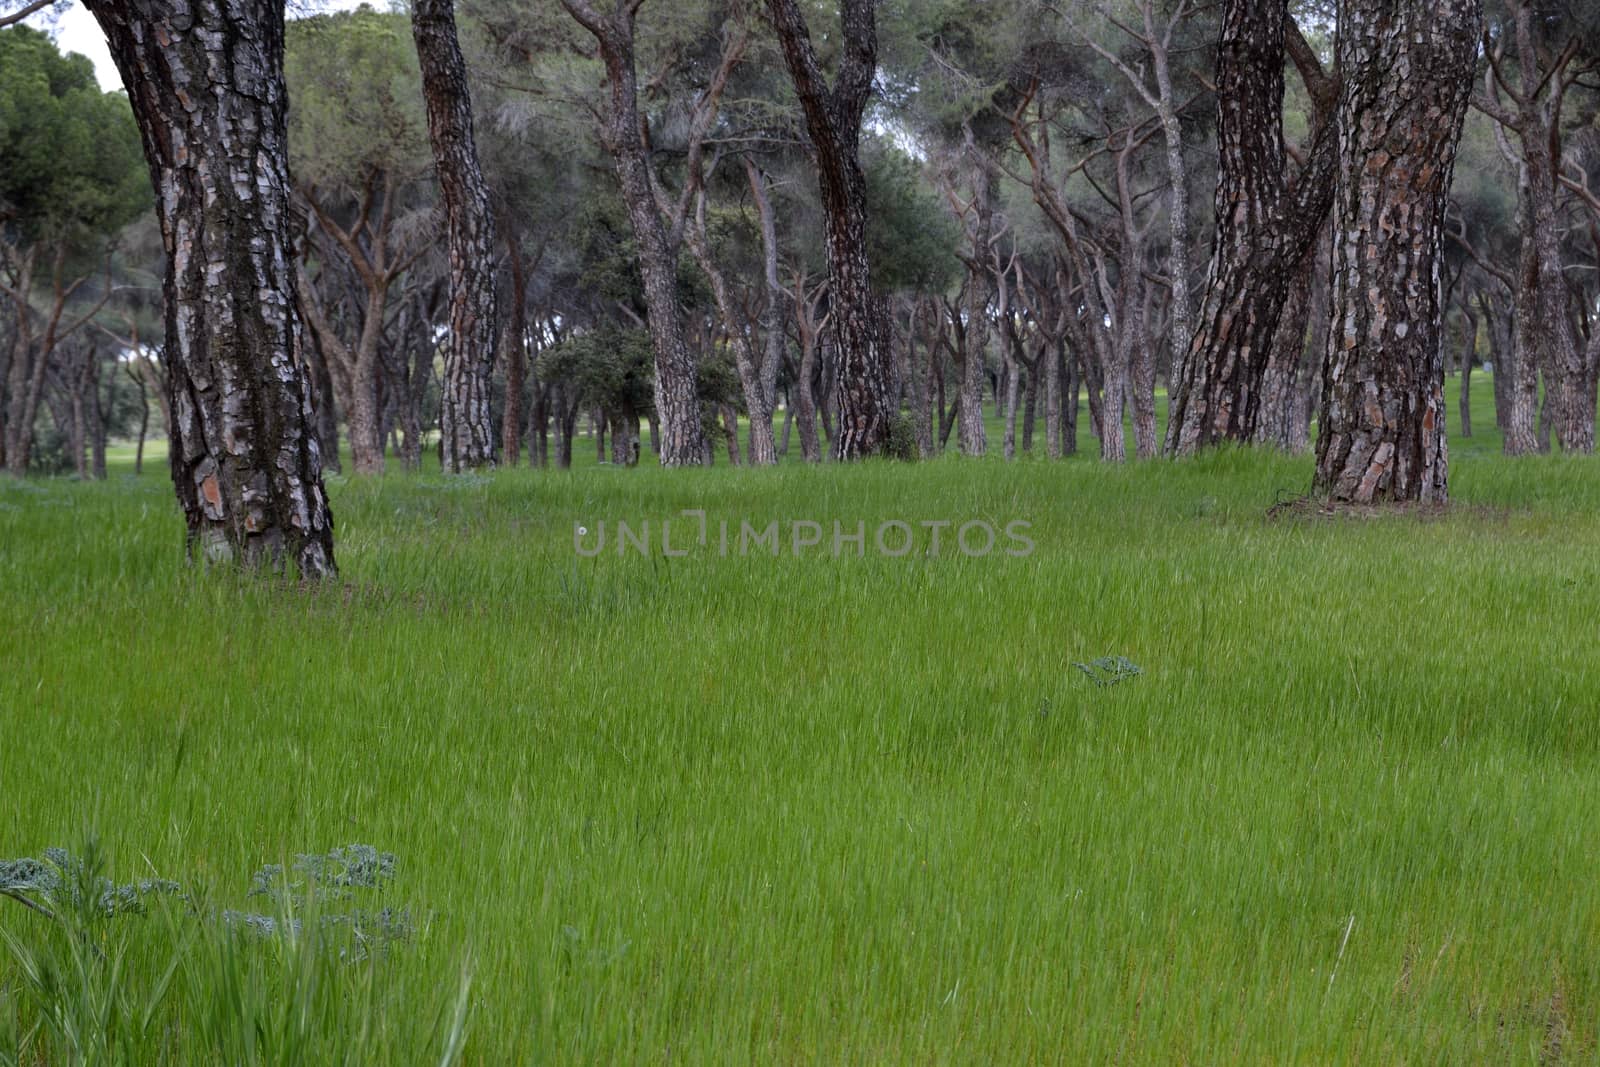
205,78
1545,339
833,119
464,421
1263,228
746,360
773,296
677,401
1281,378
1407,77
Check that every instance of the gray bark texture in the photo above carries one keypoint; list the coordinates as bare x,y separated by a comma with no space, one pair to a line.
833,119
677,401
464,419
1264,226
205,79
1407,78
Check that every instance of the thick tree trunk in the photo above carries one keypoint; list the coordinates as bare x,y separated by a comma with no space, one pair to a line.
205,78
833,119
1263,229
1407,77
1280,379
464,420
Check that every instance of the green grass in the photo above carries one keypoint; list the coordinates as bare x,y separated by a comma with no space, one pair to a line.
859,810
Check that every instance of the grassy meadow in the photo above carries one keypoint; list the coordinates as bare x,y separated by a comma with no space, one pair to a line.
830,809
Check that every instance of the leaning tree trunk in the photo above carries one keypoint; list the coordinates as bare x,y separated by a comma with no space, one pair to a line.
1263,228
464,422
833,119
1280,379
205,79
1407,77
677,401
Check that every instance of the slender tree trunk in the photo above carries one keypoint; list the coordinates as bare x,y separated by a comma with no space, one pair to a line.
98,423
464,420
1407,78
677,401
805,400
747,363
772,305
79,435
244,454
1469,352
730,429
516,356
324,407
972,435
1053,445
1073,378
1181,331
144,421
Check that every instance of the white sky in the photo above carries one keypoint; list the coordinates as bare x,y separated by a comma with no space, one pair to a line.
76,31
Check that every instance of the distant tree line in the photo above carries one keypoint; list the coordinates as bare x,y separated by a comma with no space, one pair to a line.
761,228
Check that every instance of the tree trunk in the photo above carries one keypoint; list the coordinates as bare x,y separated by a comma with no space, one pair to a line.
971,435
464,421
747,363
1407,77
1545,340
1263,228
1469,352
516,356
1072,379
1281,377
833,119
1053,375
144,421
805,401
677,401
324,408
205,79
624,439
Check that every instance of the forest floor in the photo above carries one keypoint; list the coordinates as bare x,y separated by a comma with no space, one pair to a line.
860,808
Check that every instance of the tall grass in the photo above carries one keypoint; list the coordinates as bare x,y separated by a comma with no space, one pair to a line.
850,809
